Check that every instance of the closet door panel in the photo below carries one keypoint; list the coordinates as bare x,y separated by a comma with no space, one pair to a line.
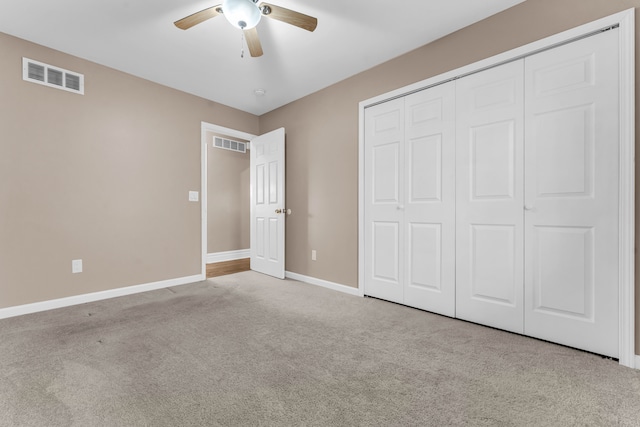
425,257
571,193
492,162
492,276
429,226
563,288
384,192
489,197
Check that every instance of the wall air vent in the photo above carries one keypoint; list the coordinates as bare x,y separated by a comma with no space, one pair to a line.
48,75
227,144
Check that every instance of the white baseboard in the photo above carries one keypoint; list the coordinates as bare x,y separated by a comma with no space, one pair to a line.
324,283
95,296
228,256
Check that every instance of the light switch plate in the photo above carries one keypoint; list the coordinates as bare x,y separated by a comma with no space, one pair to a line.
76,266
194,196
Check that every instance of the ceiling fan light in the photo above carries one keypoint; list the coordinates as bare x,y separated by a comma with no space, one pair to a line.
243,14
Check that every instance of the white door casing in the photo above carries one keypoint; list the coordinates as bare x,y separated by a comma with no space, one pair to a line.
205,140
268,210
429,200
571,194
489,197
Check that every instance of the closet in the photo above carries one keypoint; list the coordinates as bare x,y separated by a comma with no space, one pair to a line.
493,197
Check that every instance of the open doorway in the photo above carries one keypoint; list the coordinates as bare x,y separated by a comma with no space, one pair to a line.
225,200
225,188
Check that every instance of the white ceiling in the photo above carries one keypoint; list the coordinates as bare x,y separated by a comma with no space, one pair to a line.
138,37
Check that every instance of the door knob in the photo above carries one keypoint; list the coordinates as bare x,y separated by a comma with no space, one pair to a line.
528,207
282,211
278,211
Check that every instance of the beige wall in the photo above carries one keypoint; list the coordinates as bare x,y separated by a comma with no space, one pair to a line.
322,129
228,198
103,177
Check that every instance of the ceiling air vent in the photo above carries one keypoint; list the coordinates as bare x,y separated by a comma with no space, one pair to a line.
227,144
48,75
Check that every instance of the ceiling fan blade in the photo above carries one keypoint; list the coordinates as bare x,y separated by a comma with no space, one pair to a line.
298,19
253,41
198,17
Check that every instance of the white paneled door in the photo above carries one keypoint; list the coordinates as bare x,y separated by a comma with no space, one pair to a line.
409,200
489,197
571,194
429,199
267,203
384,200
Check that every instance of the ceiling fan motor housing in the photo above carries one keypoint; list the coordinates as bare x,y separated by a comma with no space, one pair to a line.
243,14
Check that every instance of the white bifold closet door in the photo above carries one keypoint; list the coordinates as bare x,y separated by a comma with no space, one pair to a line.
494,198
489,197
571,194
537,195
384,182
409,200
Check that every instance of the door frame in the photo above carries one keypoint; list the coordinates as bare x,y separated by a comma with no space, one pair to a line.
204,128
625,20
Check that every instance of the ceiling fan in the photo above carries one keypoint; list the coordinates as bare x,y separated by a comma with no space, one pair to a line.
245,14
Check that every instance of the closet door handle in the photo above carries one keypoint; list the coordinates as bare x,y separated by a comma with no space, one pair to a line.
529,208
400,207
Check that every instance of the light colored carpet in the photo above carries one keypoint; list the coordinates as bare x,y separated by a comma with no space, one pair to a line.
249,350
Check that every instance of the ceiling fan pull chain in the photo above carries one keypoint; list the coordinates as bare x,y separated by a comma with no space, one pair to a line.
242,45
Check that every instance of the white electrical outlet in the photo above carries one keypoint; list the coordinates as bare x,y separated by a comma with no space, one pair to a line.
313,255
76,266
194,196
